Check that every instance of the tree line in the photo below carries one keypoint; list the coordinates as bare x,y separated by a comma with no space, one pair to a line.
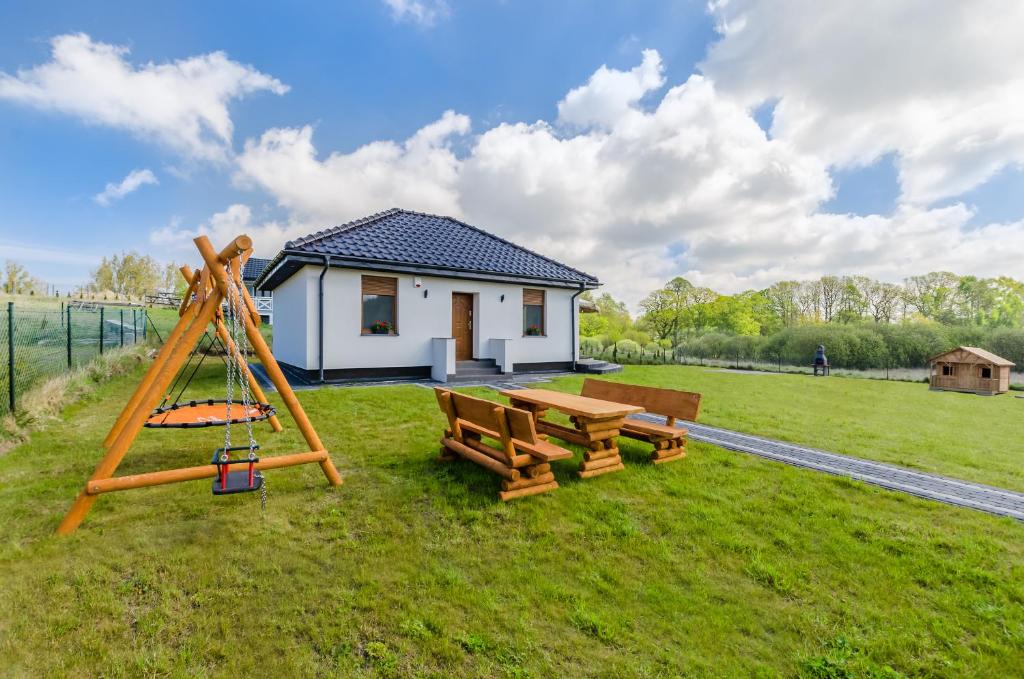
133,275
127,274
18,281
863,323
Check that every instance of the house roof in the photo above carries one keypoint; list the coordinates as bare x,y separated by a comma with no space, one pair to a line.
982,356
414,242
253,268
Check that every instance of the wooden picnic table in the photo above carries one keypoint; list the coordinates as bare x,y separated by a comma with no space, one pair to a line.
596,424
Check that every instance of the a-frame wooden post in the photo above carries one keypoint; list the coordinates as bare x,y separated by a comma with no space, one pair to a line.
211,286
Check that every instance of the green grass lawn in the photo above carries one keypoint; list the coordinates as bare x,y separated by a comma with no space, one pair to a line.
720,565
977,438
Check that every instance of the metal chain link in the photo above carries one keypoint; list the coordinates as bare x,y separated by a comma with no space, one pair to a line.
241,356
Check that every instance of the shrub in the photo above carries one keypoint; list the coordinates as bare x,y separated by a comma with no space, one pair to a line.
627,348
591,346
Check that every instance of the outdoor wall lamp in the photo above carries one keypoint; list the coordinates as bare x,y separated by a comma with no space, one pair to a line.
503,298
425,293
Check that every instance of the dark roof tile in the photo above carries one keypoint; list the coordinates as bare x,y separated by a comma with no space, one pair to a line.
253,268
410,238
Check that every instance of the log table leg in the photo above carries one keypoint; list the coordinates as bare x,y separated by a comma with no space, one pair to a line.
533,480
603,454
602,458
598,436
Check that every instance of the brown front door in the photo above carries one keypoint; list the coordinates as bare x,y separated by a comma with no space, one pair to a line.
462,325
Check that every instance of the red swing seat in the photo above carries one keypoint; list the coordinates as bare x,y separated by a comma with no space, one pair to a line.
245,480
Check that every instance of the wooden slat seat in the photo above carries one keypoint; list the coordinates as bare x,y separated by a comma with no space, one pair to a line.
543,450
669,440
514,451
652,429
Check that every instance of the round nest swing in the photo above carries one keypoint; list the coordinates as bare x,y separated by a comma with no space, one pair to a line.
208,413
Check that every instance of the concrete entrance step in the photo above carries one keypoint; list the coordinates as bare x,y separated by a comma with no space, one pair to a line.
476,368
594,366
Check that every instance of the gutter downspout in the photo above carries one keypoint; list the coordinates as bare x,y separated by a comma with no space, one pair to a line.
320,319
572,323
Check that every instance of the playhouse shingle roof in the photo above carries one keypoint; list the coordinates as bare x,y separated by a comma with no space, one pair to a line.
415,242
985,356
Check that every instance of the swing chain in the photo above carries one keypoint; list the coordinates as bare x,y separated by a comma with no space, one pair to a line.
237,364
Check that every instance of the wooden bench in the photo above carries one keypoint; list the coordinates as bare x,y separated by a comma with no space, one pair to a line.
517,454
669,440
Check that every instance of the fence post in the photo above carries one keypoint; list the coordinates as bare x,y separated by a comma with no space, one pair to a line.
10,353
135,327
122,327
101,331
145,322
69,337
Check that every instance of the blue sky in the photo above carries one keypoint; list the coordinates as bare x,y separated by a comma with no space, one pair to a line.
378,72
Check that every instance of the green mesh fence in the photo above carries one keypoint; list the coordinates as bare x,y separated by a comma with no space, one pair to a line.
38,343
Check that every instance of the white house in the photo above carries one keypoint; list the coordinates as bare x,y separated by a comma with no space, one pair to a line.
406,294
262,298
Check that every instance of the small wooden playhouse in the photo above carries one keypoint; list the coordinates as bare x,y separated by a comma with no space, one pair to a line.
972,370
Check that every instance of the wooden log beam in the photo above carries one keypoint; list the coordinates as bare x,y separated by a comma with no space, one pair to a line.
597,425
594,455
609,461
588,474
536,470
193,282
526,483
483,460
234,248
564,433
481,447
507,495
192,473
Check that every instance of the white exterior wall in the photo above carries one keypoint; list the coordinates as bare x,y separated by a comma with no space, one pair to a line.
295,335
420,319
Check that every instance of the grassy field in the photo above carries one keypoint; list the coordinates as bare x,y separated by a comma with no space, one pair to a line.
977,438
720,565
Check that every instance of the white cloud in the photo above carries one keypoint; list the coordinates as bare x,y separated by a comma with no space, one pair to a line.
421,171
134,180
939,82
423,12
181,104
610,95
637,187
268,236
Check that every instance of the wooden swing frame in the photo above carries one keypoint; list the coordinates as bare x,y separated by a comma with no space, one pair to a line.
200,308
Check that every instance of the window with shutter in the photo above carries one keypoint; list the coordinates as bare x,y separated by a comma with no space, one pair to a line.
533,312
380,305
